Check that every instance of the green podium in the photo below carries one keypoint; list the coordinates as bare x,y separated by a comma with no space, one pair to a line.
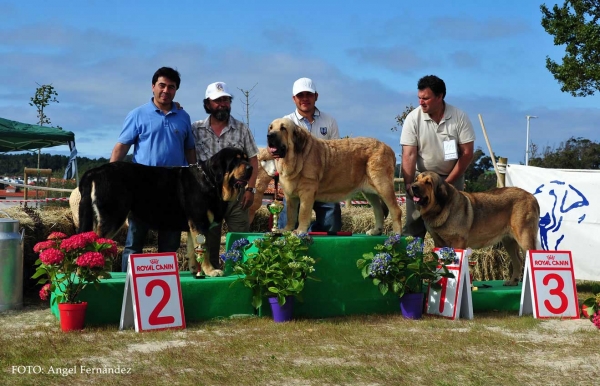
203,299
341,289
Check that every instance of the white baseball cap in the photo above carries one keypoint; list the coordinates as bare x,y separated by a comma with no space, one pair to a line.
217,90
302,85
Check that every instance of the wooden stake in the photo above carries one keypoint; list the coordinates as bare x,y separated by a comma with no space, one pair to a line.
487,141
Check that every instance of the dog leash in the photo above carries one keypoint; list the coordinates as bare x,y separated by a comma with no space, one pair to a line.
197,164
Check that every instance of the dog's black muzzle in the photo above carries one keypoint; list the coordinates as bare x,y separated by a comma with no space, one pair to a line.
418,197
276,148
241,182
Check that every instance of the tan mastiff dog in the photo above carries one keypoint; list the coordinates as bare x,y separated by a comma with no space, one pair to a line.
312,169
266,171
477,220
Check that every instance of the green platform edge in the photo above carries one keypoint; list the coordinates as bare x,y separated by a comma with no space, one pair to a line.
340,291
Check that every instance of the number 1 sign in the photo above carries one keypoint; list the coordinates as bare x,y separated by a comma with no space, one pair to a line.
454,300
549,289
152,297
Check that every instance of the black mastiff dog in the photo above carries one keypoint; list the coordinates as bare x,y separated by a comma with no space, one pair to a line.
187,198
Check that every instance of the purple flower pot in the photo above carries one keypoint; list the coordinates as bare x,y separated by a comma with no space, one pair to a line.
411,305
282,313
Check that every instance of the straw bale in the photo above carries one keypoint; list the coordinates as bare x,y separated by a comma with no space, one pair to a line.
493,263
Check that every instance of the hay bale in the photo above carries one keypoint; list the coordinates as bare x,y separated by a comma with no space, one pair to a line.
493,263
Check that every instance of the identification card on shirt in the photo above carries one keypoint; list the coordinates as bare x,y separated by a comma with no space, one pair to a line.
450,150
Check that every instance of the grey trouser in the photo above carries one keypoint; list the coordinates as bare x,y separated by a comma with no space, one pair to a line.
237,221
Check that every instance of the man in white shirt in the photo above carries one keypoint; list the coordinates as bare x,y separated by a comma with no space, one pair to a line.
323,126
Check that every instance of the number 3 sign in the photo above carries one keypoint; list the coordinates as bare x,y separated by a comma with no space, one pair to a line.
549,289
152,297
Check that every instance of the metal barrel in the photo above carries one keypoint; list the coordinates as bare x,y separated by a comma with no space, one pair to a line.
11,265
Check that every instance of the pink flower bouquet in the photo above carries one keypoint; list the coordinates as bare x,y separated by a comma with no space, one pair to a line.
591,309
70,264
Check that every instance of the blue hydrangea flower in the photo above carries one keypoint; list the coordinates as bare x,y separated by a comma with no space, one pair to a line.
239,244
447,255
233,255
415,247
380,265
392,240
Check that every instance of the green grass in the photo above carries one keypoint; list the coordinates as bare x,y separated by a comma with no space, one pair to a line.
491,349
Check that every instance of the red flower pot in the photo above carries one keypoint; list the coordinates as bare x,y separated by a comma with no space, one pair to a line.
72,316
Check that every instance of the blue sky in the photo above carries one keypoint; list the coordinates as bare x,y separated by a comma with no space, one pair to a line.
365,59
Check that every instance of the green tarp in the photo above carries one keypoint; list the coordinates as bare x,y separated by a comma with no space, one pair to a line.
16,136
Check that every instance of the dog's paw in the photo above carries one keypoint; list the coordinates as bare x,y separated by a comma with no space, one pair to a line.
215,273
512,282
375,232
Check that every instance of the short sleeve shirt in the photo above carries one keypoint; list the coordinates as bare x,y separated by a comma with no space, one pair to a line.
236,134
158,139
428,136
324,126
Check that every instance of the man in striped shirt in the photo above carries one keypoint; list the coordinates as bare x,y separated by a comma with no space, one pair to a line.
217,131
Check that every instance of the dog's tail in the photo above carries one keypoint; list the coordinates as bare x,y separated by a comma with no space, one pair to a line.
86,212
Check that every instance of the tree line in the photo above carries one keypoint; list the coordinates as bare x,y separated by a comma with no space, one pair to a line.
574,153
14,164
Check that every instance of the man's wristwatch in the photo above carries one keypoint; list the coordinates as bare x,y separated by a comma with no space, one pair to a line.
253,190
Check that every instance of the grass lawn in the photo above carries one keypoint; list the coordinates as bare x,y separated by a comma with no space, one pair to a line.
491,349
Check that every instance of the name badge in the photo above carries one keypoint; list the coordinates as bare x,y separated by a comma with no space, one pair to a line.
450,152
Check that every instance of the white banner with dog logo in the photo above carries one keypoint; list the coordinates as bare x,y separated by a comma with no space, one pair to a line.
569,212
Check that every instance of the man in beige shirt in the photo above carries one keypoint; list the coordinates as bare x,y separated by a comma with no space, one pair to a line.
435,137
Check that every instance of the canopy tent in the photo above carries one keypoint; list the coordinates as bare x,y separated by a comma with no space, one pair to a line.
17,136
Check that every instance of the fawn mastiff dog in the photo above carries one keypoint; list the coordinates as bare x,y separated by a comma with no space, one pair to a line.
459,220
167,198
266,172
312,169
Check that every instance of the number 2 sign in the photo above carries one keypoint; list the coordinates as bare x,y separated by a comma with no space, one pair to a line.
152,297
549,289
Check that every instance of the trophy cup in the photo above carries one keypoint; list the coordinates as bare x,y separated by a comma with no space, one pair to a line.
199,250
275,208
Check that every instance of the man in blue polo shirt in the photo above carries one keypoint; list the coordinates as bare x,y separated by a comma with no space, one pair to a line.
161,135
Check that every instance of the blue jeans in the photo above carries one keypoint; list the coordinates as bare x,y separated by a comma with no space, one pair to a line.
168,241
328,217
